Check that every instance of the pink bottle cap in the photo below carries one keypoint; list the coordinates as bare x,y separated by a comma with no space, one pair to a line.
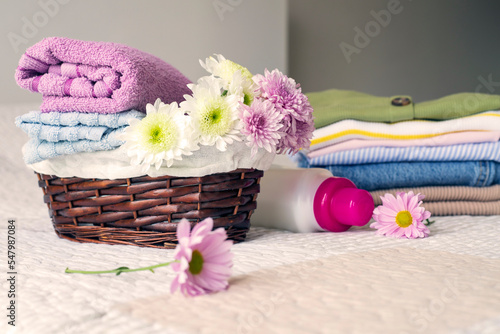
339,204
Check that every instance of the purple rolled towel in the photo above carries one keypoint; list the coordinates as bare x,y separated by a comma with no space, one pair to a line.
103,77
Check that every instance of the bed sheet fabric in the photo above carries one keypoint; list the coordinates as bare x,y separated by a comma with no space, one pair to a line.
351,282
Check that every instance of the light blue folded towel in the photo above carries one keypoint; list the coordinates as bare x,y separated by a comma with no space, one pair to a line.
37,150
78,118
54,133
58,133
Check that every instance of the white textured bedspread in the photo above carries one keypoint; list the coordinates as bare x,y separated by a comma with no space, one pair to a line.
351,282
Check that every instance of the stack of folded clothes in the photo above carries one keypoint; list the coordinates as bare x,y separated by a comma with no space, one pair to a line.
90,90
447,149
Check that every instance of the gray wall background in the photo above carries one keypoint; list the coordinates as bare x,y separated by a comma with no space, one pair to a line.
428,49
252,33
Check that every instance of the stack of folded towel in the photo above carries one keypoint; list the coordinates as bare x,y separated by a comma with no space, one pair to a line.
447,149
90,92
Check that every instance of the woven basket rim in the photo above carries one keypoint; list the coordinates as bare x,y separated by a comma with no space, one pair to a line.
144,211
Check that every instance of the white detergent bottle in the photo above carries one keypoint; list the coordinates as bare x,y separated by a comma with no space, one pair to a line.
310,200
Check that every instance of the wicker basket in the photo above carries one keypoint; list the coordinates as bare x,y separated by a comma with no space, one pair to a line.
144,211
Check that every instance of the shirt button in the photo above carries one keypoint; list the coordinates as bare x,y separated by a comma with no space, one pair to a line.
400,101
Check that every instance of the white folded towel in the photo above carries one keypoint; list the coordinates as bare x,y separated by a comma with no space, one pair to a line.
115,164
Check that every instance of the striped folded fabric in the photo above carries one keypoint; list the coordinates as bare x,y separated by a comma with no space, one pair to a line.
454,138
454,162
445,193
378,154
452,200
406,130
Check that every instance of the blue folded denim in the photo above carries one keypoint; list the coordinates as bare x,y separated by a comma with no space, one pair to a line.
417,174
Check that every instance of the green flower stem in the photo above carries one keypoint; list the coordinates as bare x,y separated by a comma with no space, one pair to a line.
429,222
120,270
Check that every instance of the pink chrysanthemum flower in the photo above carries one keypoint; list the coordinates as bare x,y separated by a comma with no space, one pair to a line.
261,123
401,216
289,100
298,135
204,257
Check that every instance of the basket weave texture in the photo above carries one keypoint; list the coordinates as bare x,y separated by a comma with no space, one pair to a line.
145,211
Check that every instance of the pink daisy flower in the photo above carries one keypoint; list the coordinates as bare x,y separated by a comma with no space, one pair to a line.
401,216
204,257
288,99
261,123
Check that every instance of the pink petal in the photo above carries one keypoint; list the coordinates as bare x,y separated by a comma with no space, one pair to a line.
398,233
209,284
387,211
183,252
174,285
404,199
217,249
416,216
387,198
389,229
190,289
408,231
220,256
176,266
399,194
391,202
387,219
183,229
216,268
201,230
182,277
212,240
413,203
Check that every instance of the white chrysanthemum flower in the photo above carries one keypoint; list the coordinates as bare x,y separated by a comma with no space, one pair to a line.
164,135
226,70
243,87
215,116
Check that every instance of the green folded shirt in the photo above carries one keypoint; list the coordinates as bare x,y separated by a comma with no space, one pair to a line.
334,105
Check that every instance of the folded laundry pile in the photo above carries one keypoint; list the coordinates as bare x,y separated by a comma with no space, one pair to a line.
448,149
90,91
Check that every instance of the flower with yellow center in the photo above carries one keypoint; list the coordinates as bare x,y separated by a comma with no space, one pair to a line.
224,68
164,135
404,219
236,79
401,216
214,115
243,87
